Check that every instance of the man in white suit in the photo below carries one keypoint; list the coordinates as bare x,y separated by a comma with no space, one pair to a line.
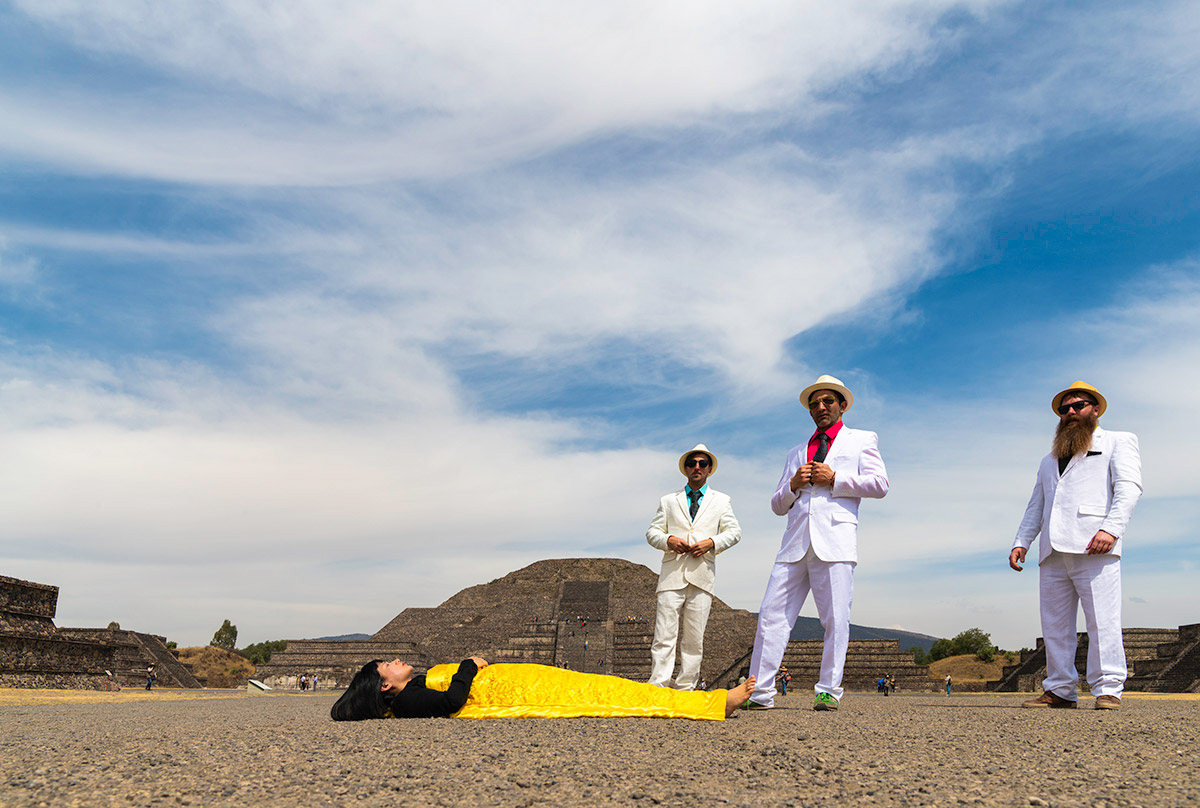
823,482
1085,493
691,527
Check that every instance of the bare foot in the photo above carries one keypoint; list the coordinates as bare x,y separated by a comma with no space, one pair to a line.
738,696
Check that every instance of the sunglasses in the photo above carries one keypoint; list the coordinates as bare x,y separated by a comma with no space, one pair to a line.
696,461
828,401
1074,406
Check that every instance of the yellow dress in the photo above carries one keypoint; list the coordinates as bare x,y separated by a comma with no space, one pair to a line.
521,690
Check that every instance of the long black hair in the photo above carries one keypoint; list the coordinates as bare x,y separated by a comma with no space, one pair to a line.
363,698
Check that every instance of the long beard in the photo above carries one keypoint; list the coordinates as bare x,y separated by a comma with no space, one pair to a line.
1074,437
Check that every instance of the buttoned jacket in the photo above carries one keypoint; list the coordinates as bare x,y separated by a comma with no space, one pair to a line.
1096,491
825,517
714,520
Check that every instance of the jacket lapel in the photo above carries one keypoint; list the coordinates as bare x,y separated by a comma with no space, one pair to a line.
684,506
840,445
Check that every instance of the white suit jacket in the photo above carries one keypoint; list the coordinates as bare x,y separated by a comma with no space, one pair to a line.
824,517
1096,491
714,520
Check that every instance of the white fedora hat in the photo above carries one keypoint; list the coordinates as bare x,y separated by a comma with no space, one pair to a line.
827,382
700,447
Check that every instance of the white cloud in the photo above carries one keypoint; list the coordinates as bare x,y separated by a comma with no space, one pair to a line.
322,94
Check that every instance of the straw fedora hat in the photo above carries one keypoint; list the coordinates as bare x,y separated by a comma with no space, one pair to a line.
827,382
700,447
1081,387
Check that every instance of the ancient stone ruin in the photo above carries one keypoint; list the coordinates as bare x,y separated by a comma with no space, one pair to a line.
588,614
1161,660
35,653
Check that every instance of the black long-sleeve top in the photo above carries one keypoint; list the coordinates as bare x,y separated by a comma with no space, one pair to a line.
418,701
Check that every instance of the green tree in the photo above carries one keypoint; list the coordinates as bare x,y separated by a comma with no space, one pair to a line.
226,636
919,656
941,649
260,652
972,641
114,626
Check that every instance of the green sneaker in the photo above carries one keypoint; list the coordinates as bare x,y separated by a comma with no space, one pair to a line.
825,701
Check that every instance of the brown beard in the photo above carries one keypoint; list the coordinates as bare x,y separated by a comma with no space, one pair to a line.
1074,437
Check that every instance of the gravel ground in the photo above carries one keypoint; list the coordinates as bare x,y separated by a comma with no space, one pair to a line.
234,749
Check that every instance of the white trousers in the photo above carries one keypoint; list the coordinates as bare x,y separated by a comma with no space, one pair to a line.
1065,582
832,587
695,604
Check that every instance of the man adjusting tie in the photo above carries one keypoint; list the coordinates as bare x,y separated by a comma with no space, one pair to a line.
822,484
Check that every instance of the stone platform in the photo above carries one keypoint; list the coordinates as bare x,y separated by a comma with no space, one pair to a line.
1164,660
34,653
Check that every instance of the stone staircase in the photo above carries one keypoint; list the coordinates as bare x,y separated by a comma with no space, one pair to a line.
631,649
536,644
584,626
1026,675
866,662
135,652
1175,668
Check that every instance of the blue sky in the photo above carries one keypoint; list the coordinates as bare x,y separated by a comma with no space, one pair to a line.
309,317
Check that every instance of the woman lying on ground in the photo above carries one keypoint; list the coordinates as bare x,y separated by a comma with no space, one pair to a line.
479,690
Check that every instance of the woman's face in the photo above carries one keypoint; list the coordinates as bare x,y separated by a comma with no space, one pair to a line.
395,675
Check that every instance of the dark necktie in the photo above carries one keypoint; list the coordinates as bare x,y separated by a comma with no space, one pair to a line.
822,448
694,496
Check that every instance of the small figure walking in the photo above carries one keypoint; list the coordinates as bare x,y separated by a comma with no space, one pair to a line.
947,684
150,676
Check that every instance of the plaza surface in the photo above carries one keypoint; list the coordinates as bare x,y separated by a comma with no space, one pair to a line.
229,748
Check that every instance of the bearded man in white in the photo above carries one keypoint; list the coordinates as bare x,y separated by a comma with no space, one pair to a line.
1085,493
691,527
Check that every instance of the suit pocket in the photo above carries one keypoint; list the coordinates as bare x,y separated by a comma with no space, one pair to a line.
1093,510
840,517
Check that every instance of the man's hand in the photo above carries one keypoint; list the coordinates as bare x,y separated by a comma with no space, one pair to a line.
1101,543
800,478
480,662
1016,558
820,474
701,547
678,545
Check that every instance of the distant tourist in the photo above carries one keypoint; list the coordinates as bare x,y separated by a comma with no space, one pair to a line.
822,484
1082,501
691,527
474,689
314,681
947,684
150,677
303,682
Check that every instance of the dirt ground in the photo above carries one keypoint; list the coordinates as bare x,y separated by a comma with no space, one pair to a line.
229,748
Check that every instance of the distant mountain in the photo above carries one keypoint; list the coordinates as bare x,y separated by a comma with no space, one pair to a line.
809,628
348,637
